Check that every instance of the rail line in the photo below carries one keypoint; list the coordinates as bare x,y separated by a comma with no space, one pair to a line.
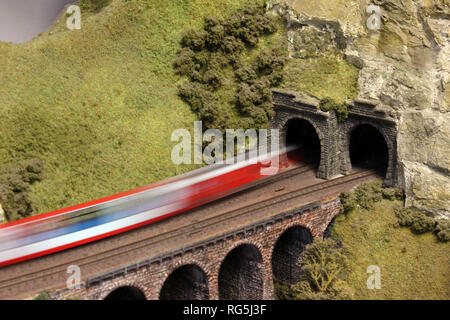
284,175
195,227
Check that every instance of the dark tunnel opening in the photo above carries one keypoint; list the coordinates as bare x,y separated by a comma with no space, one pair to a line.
368,149
185,283
302,134
240,275
286,254
126,293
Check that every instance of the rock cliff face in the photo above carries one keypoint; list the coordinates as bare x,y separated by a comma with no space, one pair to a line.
404,63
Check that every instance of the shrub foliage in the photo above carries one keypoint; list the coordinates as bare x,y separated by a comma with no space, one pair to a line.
205,55
414,218
15,180
328,104
366,195
324,263
93,5
442,230
419,222
43,295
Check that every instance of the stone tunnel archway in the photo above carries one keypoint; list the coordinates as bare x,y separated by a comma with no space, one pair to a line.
335,135
302,133
126,293
368,149
241,274
286,253
188,282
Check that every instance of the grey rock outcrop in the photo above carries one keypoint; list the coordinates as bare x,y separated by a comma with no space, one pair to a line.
405,64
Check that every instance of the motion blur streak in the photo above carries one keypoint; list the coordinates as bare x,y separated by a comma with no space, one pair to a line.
56,231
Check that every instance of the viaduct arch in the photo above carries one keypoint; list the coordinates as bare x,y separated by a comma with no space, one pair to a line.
241,264
286,253
240,274
188,282
126,293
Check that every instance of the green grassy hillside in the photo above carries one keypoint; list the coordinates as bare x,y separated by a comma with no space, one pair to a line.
413,263
98,105
412,266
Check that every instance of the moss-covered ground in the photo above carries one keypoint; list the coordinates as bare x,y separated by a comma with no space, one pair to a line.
323,77
98,105
412,266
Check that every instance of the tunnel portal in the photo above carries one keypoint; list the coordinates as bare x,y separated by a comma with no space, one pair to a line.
301,133
368,149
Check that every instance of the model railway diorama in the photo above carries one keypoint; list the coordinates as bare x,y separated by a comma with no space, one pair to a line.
271,149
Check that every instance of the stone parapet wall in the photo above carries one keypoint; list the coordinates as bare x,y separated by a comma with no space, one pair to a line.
150,275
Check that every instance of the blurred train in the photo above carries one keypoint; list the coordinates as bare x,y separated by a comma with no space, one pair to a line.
67,228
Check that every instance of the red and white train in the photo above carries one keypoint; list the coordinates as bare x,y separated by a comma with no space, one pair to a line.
74,226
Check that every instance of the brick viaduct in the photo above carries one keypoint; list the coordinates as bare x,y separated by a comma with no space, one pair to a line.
242,264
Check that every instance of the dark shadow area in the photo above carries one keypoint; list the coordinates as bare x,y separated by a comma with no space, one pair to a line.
126,293
302,134
327,232
368,149
240,275
286,254
188,282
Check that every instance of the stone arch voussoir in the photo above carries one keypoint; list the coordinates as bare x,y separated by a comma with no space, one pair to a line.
123,283
177,266
283,127
224,275
390,144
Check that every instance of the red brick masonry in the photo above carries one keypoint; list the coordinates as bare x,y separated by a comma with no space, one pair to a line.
149,275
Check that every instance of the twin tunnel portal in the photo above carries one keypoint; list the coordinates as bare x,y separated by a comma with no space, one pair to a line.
366,140
367,148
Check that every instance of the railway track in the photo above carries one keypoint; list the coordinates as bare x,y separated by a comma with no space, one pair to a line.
284,175
91,261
